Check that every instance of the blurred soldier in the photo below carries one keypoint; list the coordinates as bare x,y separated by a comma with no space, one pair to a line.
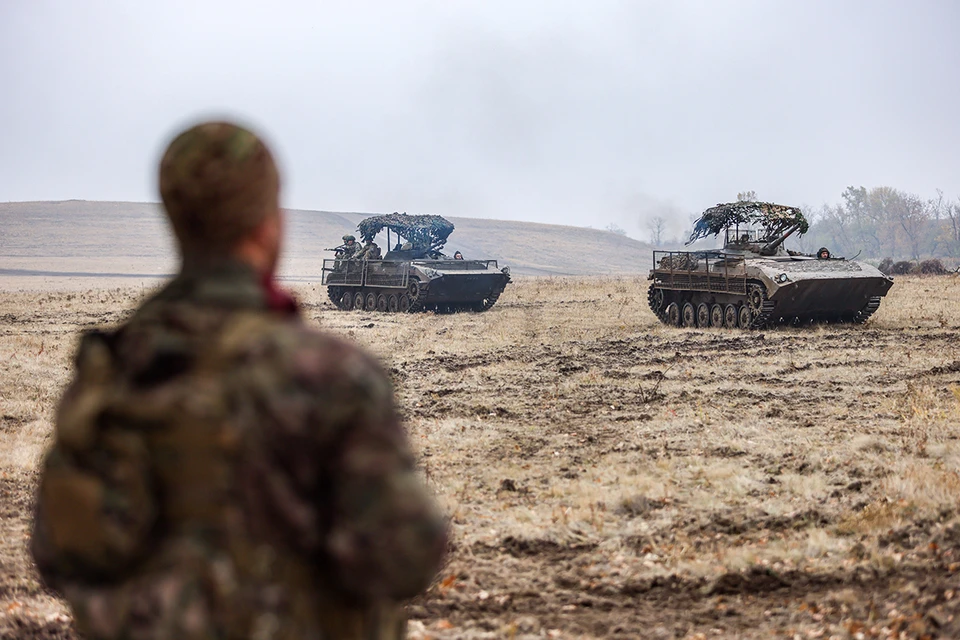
823,253
220,470
370,251
349,249
458,256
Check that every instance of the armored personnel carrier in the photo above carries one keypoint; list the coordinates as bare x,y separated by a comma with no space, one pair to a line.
754,282
414,275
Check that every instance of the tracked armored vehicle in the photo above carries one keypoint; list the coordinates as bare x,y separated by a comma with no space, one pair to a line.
754,282
414,275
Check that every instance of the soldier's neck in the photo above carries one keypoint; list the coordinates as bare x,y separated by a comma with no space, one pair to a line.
199,264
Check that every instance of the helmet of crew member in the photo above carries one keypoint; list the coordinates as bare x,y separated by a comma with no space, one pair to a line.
349,238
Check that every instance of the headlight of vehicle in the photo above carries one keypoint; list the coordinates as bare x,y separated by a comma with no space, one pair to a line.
782,278
505,271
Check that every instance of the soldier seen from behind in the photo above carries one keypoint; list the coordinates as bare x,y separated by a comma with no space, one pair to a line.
219,469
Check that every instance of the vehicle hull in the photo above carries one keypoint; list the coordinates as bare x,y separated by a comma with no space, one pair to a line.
824,298
424,284
762,290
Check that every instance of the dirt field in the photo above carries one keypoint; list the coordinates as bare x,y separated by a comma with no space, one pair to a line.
610,477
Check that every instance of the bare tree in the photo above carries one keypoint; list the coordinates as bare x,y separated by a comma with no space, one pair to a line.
613,227
952,209
838,226
886,222
884,209
937,206
938,234
747,196
861,213
913,218
657,225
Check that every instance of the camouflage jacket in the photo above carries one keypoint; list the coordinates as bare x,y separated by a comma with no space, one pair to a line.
369,252
222,471
349,252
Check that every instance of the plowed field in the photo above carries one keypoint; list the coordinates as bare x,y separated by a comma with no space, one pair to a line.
608,476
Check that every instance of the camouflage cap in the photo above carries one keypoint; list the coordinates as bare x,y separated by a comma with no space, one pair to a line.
218,181
348,238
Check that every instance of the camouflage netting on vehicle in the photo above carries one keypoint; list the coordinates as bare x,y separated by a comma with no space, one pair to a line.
423,231
774,218
679,262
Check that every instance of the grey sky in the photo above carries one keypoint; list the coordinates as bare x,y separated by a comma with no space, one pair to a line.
571,112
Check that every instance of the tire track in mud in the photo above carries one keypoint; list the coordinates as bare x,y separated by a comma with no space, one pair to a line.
633,374
19,580
559,414
556,585
741,603
788,377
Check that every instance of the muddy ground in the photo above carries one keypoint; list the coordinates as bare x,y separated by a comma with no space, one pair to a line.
610,477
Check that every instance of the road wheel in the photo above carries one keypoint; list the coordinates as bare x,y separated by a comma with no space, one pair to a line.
413,290
744,317
655,298
673,314
403,304
730,317
393,303
346,302
689,315
358,301
488,302
703,315
382,303
370,304
335,294
755,298
716,316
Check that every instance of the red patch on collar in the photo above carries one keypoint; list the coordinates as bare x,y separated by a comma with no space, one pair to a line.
278,299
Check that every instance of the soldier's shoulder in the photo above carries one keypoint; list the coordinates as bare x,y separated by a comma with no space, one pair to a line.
306,356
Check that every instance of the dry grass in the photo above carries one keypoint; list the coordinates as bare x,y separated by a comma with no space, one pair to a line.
606,474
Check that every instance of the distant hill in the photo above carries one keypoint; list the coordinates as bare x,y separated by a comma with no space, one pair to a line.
132,238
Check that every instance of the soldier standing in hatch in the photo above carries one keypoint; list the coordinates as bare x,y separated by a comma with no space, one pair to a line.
220,470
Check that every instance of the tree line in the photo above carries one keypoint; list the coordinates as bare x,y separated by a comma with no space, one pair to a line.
884,222
877,224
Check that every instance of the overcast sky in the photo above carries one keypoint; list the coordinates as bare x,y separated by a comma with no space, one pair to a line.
588,113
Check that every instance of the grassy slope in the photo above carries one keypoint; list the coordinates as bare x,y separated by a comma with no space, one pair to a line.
124,236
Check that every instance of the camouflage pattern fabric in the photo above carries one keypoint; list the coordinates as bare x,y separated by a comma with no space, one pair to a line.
774,218
221,471
370,251
426,232
679,262
218,181
349,251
